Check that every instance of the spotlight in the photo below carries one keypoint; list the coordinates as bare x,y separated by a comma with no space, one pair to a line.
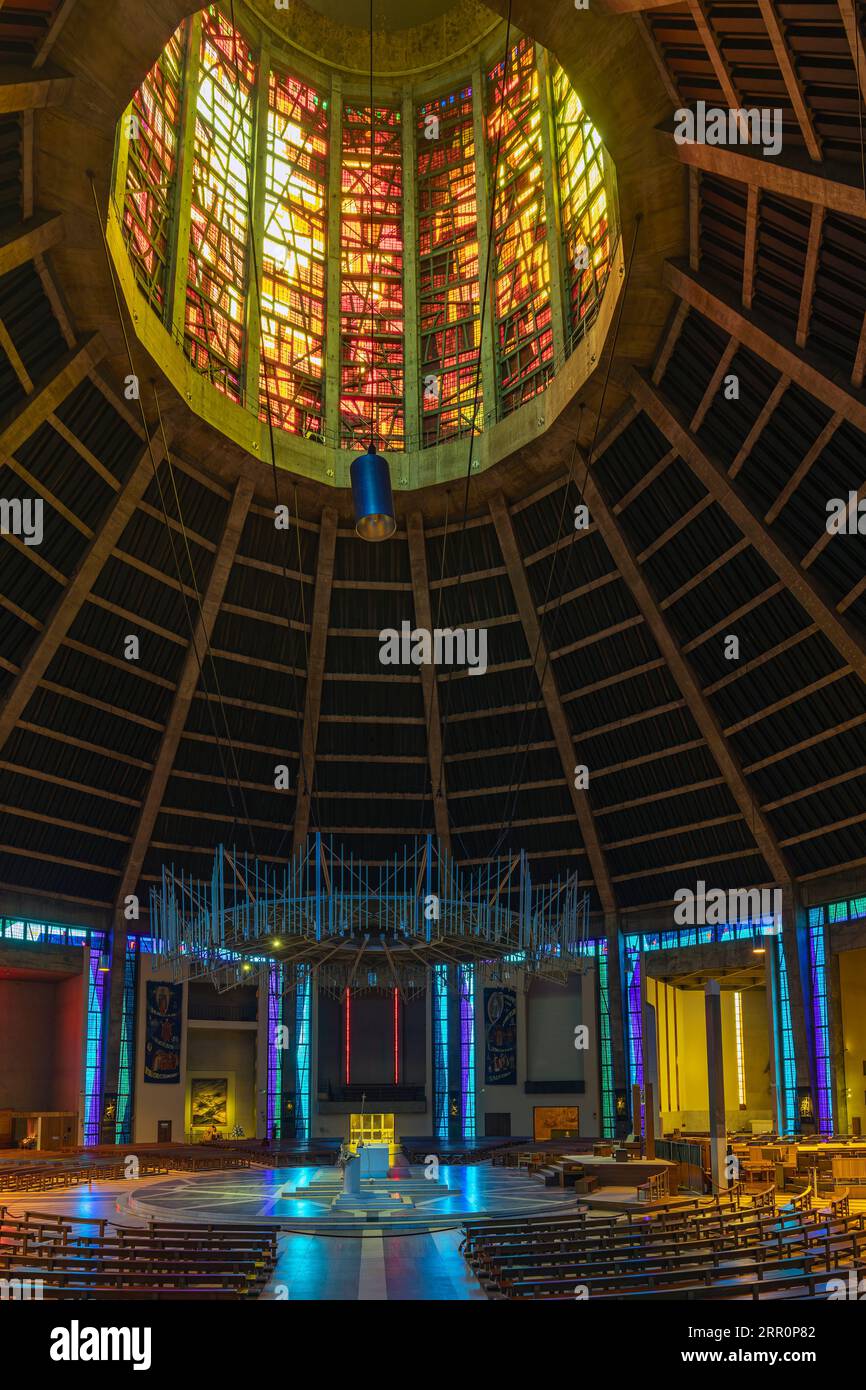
372,497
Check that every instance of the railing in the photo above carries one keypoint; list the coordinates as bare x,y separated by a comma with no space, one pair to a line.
801,1201
654,1188
689,1156
765,1200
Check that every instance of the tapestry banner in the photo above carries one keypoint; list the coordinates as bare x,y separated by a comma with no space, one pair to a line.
162,1032
500,1026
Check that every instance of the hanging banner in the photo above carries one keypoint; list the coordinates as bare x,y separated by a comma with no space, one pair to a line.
162,1032
500,1029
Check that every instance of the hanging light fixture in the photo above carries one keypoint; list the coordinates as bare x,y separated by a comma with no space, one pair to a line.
372,497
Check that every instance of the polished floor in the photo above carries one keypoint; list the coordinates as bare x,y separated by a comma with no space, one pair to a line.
374,1266
301,1198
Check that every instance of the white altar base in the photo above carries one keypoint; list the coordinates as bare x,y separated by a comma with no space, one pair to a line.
369,1198
375,1160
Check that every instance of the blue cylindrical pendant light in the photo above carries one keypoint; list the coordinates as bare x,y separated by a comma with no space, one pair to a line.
372,497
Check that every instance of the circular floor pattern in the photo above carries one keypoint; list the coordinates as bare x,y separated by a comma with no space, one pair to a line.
300,1199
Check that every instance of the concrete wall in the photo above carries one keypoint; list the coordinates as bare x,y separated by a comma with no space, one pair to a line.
157,1101
852,972
224,1050
41,1043
69,1025
682,1050
26,1044
208,1049
546,1019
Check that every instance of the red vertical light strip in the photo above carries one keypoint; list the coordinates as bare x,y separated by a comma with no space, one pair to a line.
396,1038
348,1036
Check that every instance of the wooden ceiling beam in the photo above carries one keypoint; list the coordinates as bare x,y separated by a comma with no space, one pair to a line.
632,6
607,681
61,15
848,11
811,742
23,242
743,668
550,694
675,328
810,270
623,555
751,244
637,488
699,11
15,359
186,687
696,510
706,573
744,853
715,382
759,426
860,358
774,551
76,590
429,682
48,394
687,790
776,347
816,787
23,89
793,85
763,596
319,621
52,779
694,218
799,473
834,186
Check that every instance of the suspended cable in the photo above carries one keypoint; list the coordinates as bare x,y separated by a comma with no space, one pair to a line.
550,644
308,790
169,533
209,652
476,401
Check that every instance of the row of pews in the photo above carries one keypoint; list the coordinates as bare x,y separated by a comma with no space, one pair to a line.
43,1175
700,1249
43,1253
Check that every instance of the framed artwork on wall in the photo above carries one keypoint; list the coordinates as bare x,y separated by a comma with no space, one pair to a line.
209,1100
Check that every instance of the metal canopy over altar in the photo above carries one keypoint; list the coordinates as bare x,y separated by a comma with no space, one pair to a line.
367,925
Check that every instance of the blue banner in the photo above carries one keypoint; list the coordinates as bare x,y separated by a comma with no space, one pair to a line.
500,1031
162,1032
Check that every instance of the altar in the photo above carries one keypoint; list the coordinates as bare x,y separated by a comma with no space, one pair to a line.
375,1160
373,1132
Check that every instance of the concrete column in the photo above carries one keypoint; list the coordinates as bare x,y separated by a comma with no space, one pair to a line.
716,1082
795,927
551,197
652,1120
255,249
314,1051
617,1015
428,1056
121,160
484,184
411,277
332,300
772,1016
178,265
837,1041
262,1039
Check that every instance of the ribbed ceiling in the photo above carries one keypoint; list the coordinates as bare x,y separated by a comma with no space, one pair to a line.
699,766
